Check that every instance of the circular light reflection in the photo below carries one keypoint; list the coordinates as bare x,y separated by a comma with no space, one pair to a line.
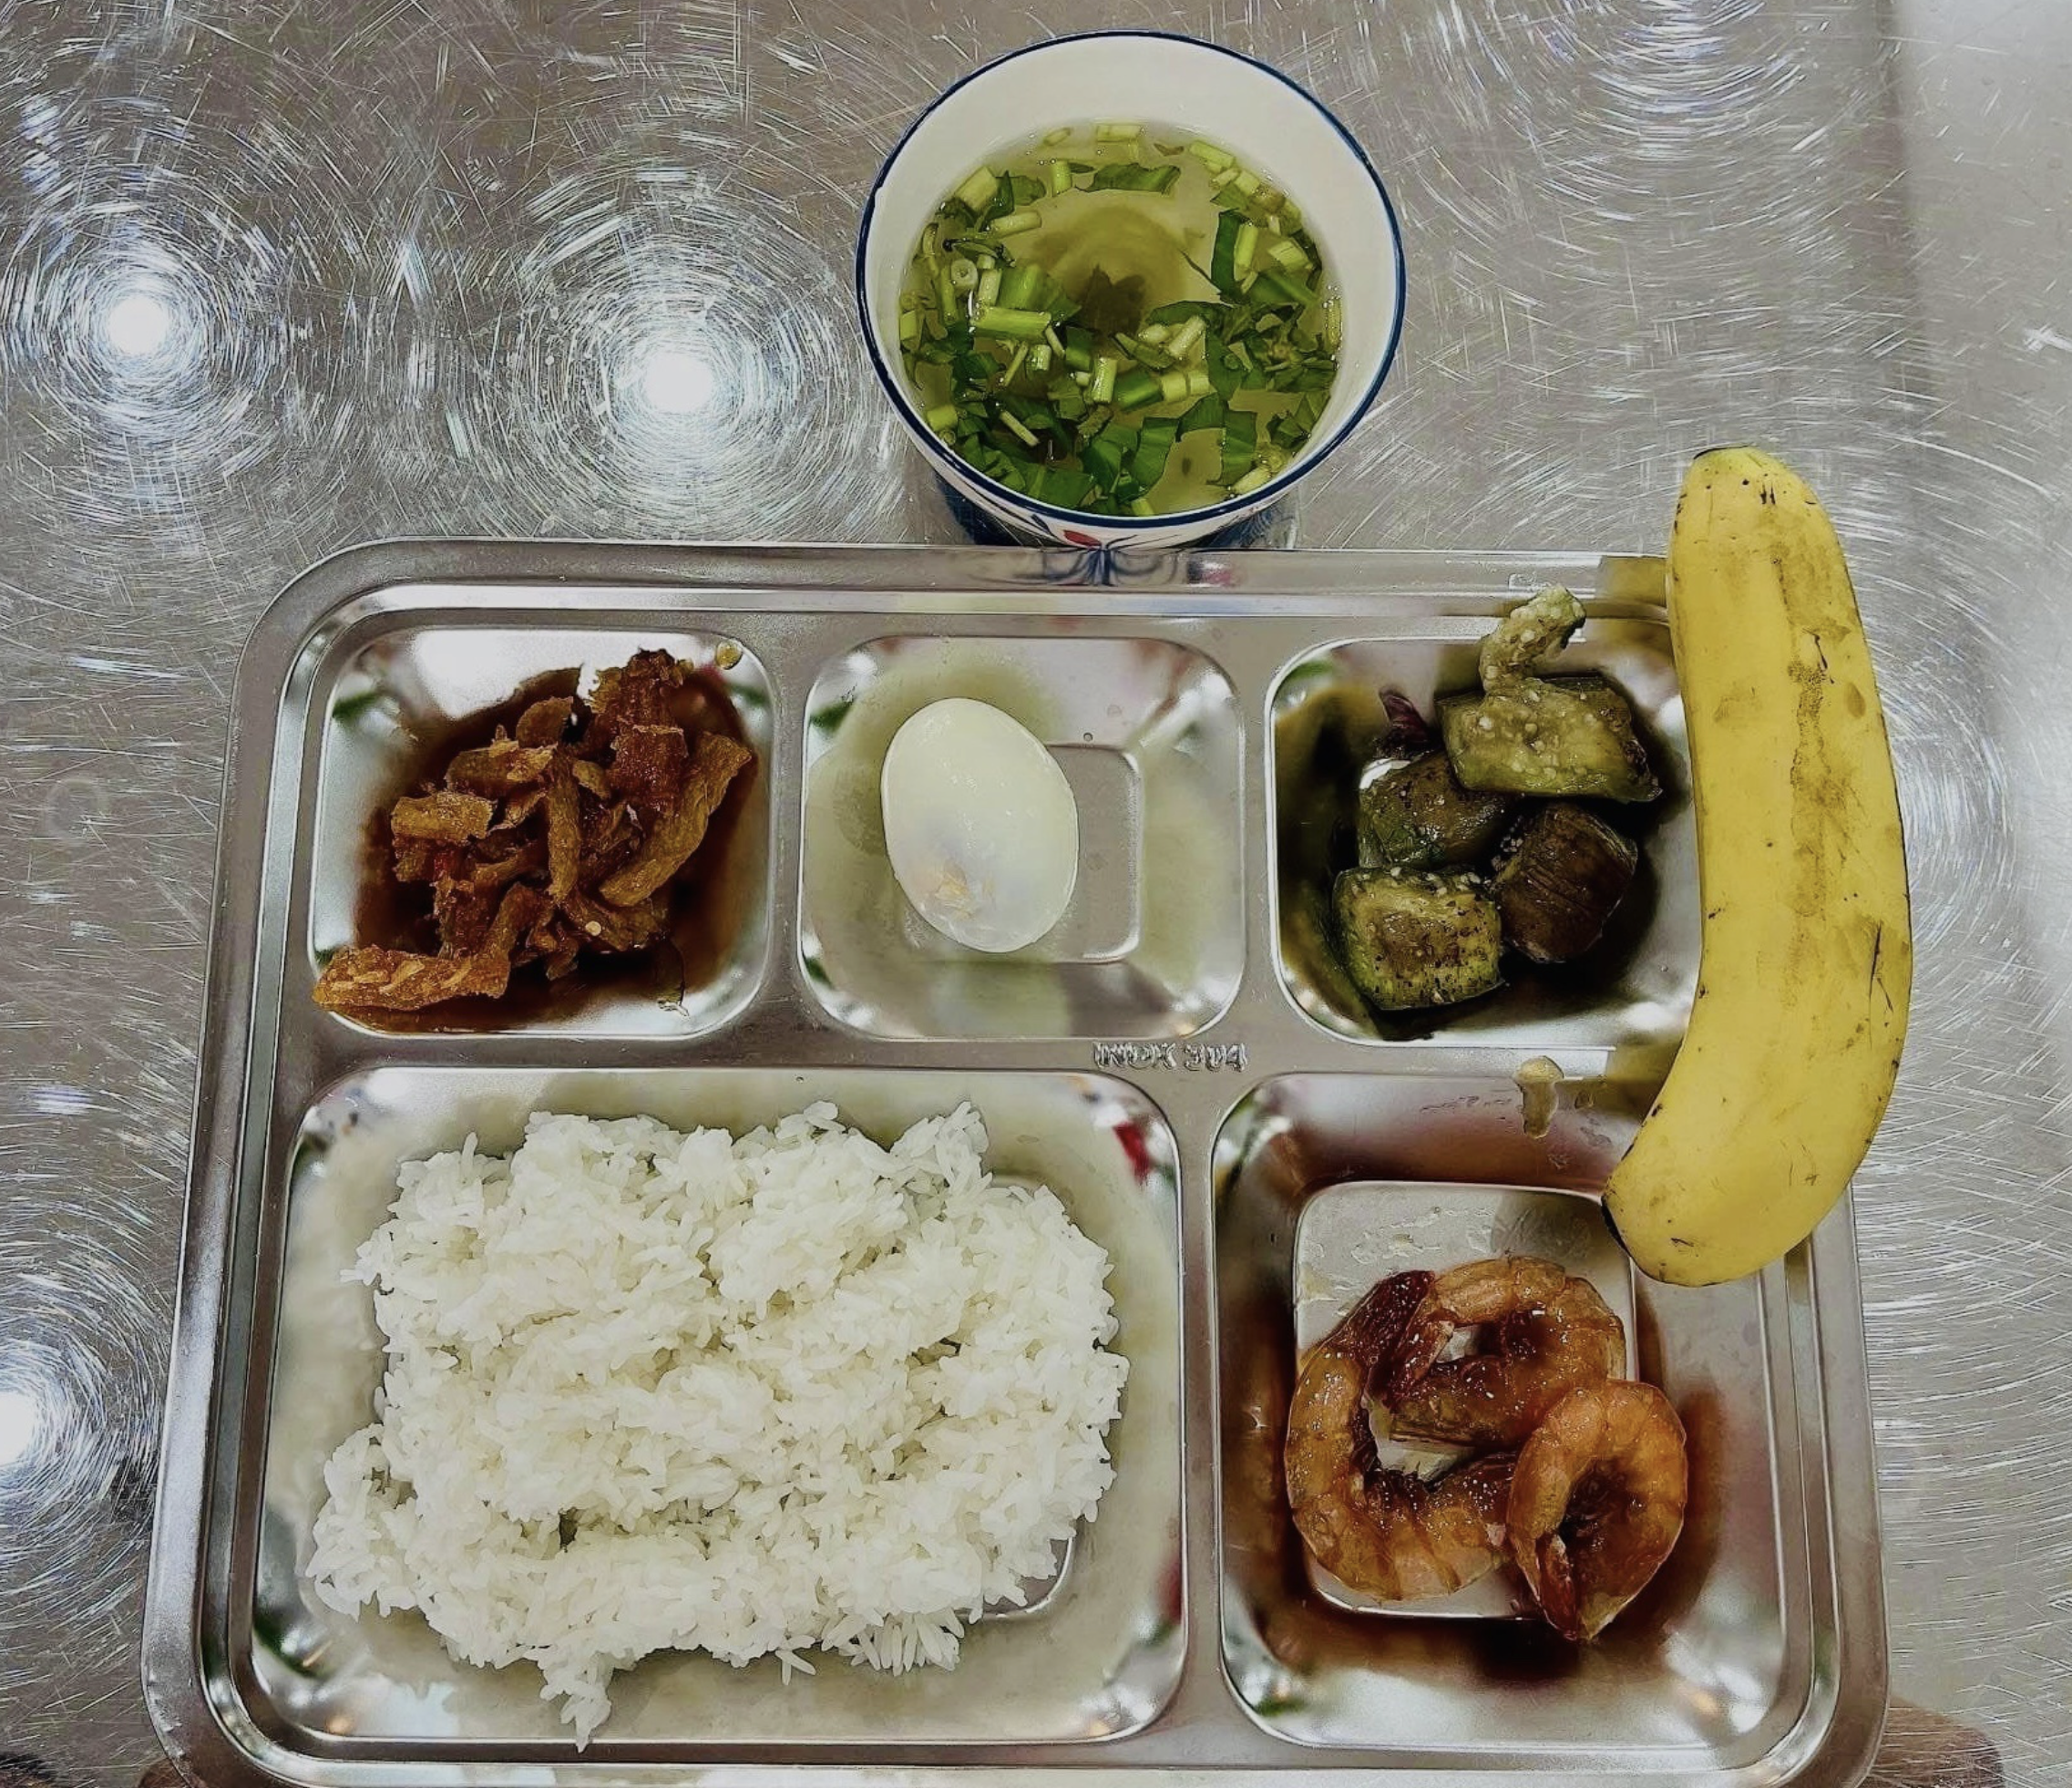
136,325
20,1417
144,327
674,381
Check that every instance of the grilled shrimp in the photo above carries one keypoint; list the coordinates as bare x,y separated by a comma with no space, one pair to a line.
1388,1533
1546,1334
1596,1502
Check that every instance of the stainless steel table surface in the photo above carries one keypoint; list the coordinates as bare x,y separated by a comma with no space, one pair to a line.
276,279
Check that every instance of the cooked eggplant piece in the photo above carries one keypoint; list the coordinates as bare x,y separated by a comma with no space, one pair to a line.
1560,881
1310,943
1416,816
1548,735
1530,734
1411,940
1544,623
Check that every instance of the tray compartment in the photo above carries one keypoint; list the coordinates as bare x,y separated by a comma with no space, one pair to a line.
1109,1630
1713,1662
381,700
1636,984
1146,731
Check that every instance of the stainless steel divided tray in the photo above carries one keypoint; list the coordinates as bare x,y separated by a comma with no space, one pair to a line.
1251,1155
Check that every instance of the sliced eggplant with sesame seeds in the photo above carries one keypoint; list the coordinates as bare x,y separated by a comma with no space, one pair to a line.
1409,940
1554,736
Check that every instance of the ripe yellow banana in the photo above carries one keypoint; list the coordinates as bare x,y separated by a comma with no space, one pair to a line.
1808,955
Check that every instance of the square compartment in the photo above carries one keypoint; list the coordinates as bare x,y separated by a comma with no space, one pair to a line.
1713,1666
396,700
1636,986
1153,944
1095,1655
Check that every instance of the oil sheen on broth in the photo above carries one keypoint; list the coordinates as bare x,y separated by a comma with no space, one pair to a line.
1120,318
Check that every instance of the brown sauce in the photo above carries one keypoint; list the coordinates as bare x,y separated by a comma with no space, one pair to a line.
709,901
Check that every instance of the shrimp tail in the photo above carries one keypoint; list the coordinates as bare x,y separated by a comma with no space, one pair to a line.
1556,1588
1370,1328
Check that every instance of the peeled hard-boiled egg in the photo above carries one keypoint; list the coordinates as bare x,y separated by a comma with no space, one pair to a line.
980,825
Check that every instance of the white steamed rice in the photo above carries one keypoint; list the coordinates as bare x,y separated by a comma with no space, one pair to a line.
647,1390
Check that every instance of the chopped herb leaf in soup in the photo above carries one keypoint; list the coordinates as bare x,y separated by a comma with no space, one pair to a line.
1119,320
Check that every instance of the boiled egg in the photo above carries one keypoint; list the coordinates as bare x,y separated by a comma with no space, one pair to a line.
980,825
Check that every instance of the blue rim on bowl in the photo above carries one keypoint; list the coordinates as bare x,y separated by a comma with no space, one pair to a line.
1273,487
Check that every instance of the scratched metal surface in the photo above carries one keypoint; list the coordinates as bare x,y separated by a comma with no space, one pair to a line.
276,279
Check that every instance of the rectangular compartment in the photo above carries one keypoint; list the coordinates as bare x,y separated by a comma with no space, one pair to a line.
1153,944
1096,1654
387,701
1714,1668
1635,985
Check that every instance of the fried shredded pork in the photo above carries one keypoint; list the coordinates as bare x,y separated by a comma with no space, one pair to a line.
561,838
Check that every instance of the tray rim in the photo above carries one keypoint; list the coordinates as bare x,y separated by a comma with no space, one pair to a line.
978,583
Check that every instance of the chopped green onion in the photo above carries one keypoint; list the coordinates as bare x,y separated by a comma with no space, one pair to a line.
1290,212
1061,178
1136,389
988,290
1134,177
1003,323
1177,386
1334,322
1212,158
1038,357
1271,199
1244,248
1153,333
945,291
1283,289
931,239
1186,338
1142,506
1052,336
1250,482
1246,181
1154,447
1063,134
1015,222
942,418
1102,456
978,190
1289,256
964,274
1223,270
1078,348
1217,182
1240,442
909,328
1102,390
1146,353
1016,427
1024,279
1117,133
1060,485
